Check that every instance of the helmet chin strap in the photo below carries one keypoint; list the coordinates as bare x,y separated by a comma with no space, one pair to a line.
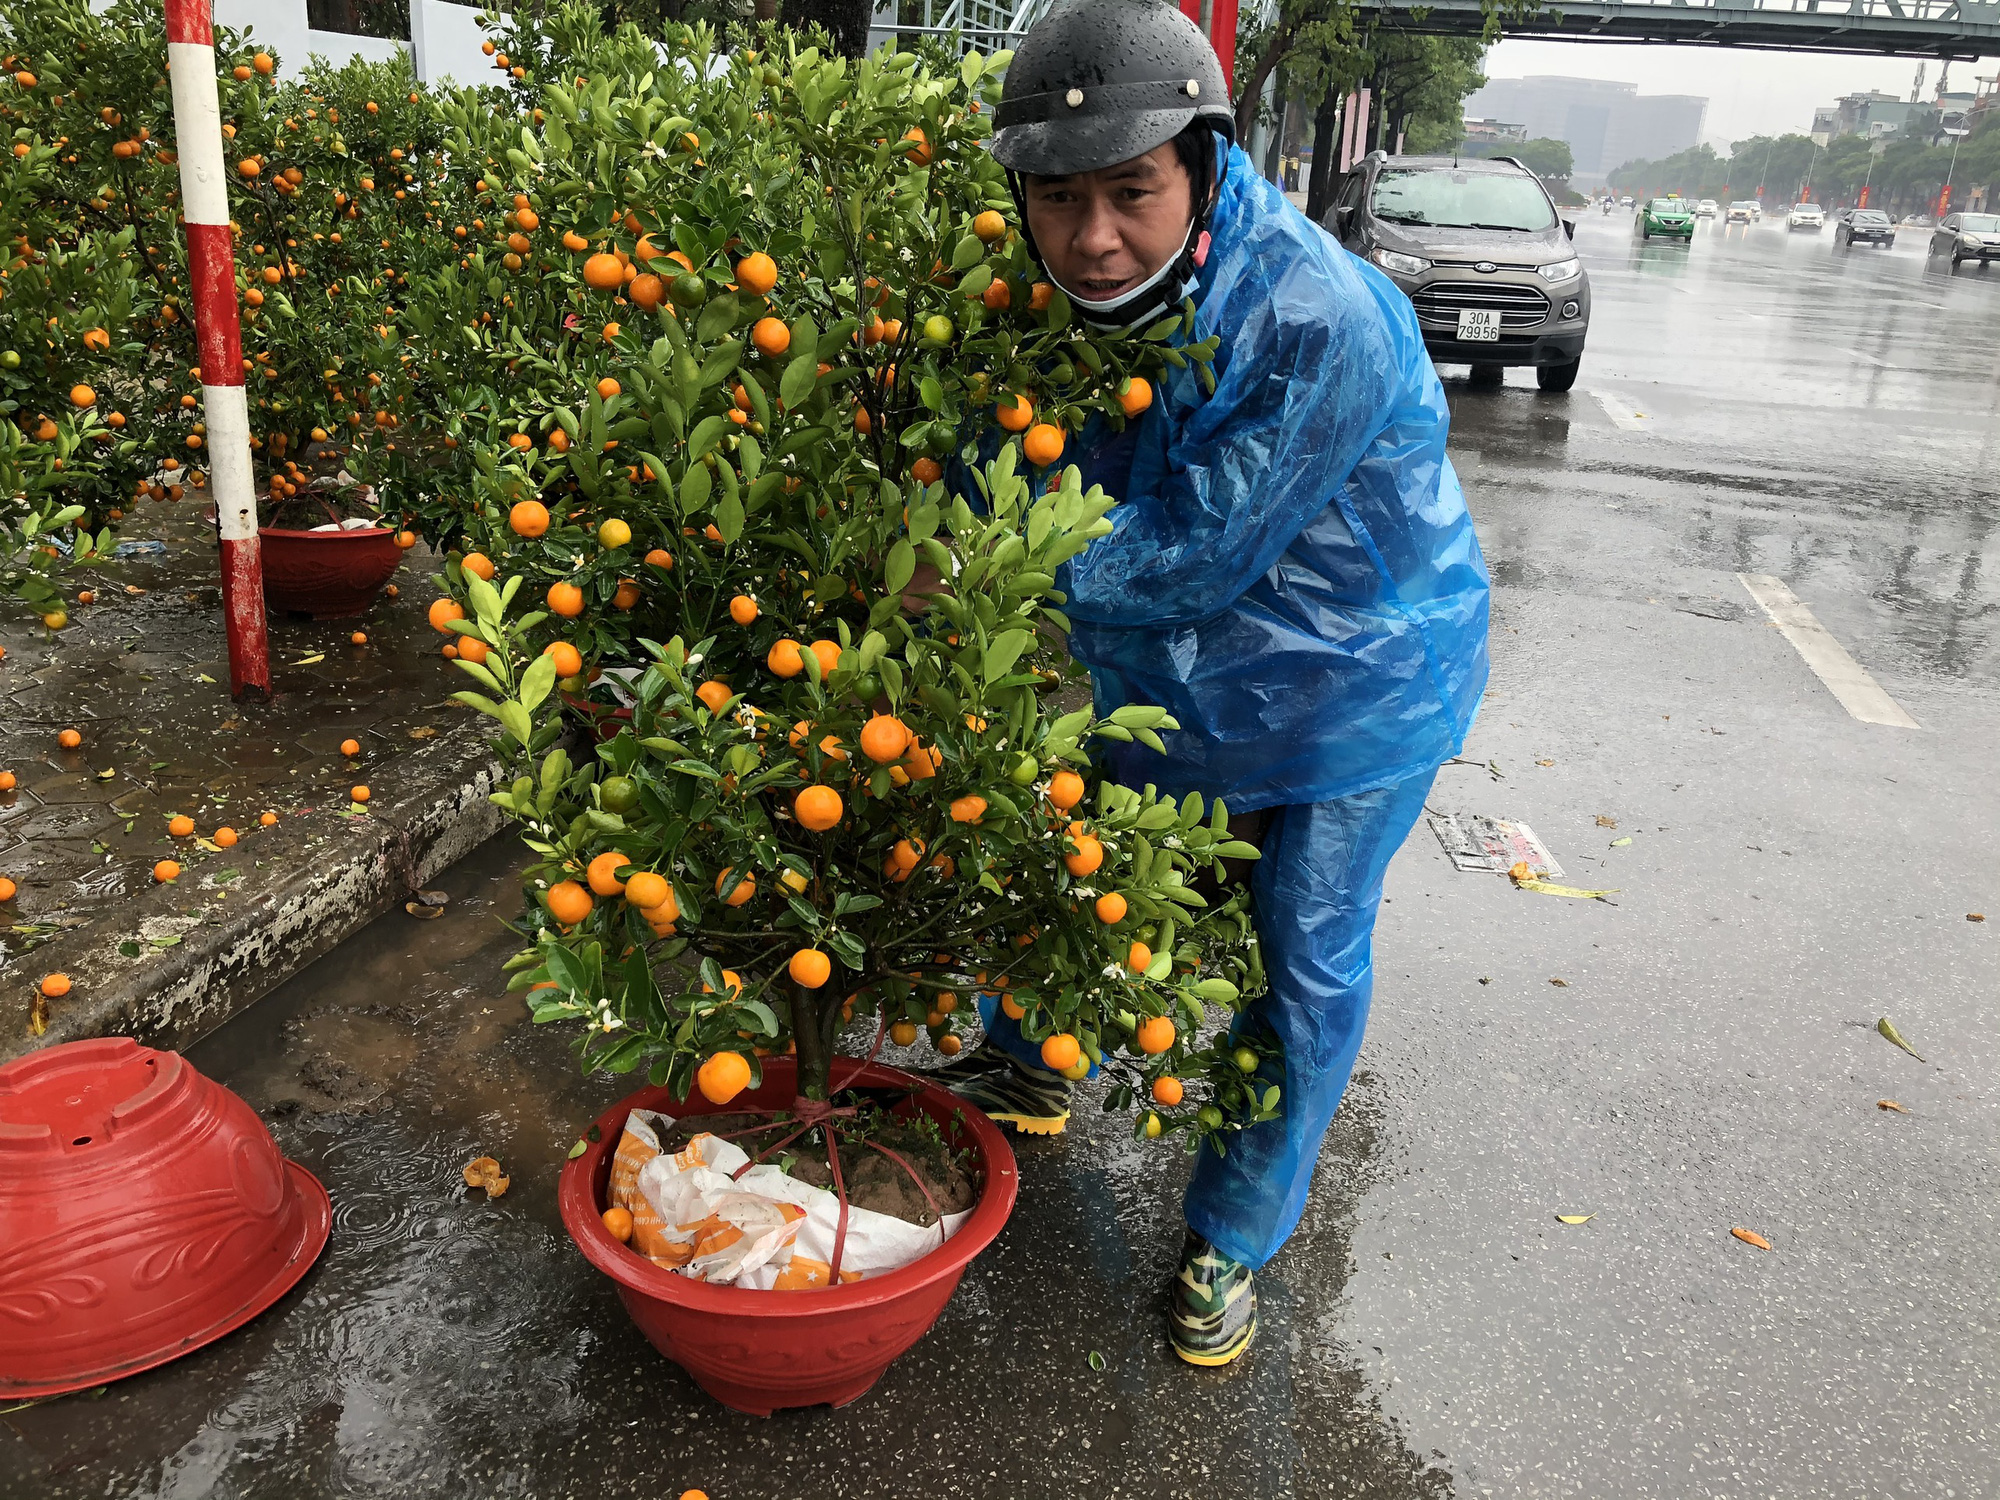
1165,288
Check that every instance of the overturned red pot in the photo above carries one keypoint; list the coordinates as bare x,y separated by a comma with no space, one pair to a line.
329,575
759,1351
144,1211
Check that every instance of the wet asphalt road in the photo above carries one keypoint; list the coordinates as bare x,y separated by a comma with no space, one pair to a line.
1754,403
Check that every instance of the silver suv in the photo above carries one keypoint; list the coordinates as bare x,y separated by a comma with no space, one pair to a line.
1483,255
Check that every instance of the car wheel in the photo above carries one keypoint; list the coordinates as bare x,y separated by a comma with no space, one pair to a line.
1486,375
1558,377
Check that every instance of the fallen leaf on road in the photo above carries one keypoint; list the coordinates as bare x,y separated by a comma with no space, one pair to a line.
1975,916
1096,1360
1544,762
1751,1237
1484,980
422,732
306,661
1604,822
1561,984
38,1014
1574,1218
1890,1104
484,1172
1520,870
1888,1030
1564,890
1621,843
422,912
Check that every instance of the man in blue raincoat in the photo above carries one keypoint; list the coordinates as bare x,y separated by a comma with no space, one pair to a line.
1292,572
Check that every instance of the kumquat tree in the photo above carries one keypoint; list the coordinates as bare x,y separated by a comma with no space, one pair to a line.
722,324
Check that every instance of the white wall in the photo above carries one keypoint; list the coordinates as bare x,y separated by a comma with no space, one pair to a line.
444,40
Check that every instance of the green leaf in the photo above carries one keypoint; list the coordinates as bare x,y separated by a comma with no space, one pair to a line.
696,486
537,681
516,721
967,253
707,433
729,516
798,380
717,318
900,568
1003,651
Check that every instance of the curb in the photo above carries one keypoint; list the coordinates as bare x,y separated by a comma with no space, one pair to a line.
180,961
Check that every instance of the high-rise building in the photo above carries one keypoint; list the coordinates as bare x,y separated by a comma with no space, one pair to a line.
1606,124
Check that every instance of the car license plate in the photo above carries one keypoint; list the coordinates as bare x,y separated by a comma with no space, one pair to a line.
1479,325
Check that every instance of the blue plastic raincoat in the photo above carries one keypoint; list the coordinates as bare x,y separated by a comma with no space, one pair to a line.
1294,576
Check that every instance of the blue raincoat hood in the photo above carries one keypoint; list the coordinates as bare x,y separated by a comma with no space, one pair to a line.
1293,573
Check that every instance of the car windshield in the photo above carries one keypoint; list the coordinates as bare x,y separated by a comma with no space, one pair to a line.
1670,205
1981,223
1807,208
1462,200
1870,216
1746,203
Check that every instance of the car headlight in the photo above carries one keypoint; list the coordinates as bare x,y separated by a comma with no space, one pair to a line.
1970,241
1561,270
1401,264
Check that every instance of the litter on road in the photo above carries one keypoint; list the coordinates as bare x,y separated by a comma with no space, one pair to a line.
1492,846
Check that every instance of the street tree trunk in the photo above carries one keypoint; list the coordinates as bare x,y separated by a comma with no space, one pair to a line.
846,21
1253,86
1326,153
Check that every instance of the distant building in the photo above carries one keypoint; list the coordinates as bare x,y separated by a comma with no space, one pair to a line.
1494,131
1605,124
1871,113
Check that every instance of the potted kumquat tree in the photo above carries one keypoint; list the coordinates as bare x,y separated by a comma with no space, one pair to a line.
698,435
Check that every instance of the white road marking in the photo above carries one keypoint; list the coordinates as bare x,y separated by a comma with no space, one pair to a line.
1621,413
1844,677
1880,364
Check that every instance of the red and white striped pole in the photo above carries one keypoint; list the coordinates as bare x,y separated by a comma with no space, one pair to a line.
219,337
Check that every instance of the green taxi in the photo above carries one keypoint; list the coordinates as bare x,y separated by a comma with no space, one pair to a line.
1673,217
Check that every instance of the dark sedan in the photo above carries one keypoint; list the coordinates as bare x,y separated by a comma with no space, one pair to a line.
1865,226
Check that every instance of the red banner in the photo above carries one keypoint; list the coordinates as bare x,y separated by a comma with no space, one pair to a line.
1944,201
1220,25
1863,201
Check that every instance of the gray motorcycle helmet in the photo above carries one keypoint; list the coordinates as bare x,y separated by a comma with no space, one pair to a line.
1096,82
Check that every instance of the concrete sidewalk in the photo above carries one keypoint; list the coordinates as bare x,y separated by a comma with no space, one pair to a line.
141,673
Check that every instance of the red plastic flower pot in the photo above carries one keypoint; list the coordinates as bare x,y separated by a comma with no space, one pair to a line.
758,1351
329,575
144,1211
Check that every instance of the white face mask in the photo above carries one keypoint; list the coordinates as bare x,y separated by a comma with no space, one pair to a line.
1165,288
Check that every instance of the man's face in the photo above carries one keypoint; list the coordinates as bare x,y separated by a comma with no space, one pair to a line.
1102,233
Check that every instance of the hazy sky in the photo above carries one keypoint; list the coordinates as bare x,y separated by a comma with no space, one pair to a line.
1748,92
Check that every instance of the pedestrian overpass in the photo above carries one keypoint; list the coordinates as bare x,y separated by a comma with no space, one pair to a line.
1950,29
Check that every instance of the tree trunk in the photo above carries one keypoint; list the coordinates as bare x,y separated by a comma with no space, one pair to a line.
1253,86
846,21
1326,153
767,10
814,1032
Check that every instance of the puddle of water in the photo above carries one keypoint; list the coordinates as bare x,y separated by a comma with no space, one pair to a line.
448,1345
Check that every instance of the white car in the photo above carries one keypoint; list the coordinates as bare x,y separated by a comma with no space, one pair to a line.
1625,201
1708,208
1806,216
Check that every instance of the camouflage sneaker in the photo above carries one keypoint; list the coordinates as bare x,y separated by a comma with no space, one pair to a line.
1214,1315
1033,1102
